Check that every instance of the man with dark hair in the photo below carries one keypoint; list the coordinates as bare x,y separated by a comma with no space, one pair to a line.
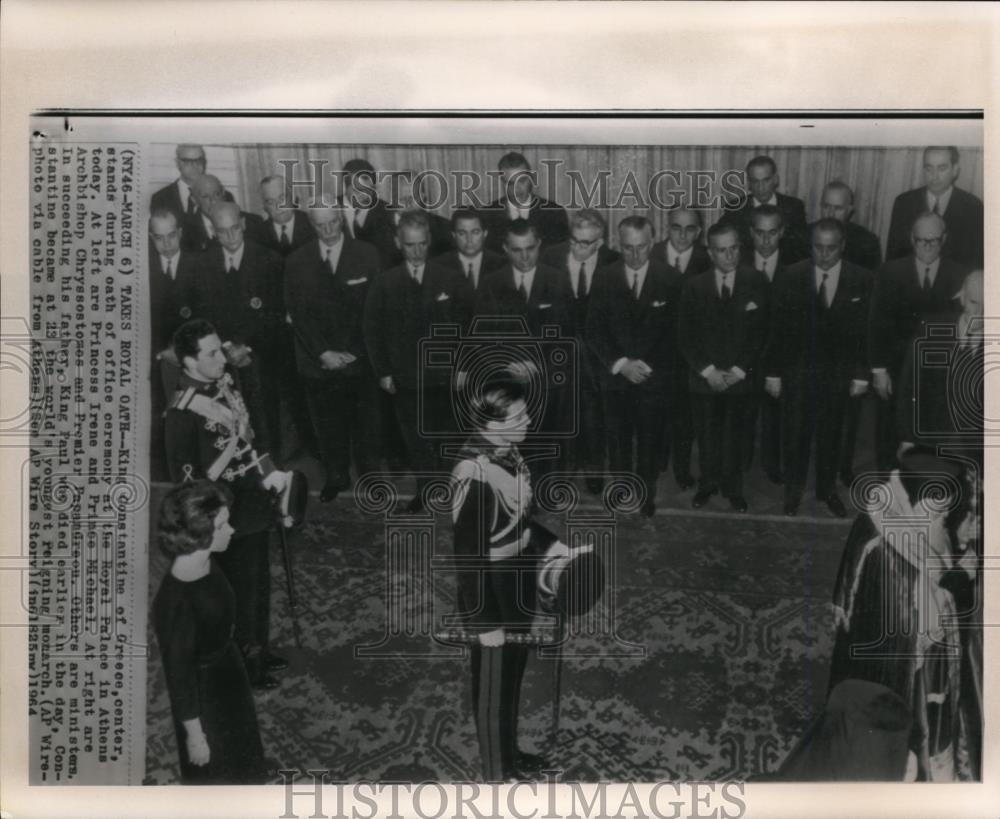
631,327
520,202
578,260
238,289
470,255
771,256
199,233
862,247
962,212
907,290
683,250
816,360
762,189
209,435
722,330
404,305
366,216
539,295
326,285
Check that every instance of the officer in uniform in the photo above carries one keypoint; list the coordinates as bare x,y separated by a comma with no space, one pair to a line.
513,574
209,435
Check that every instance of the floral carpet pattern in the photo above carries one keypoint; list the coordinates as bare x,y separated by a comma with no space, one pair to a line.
709,661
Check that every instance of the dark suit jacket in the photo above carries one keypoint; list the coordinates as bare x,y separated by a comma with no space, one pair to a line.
899,303
557,256
169,197
861,246
805,340
940,388
302,233
196,238
379,232
327,309
169,299
550,304
963,218
698,263
491,262
400,314
440,239
620,325
793,213
549,217
247,309
726,335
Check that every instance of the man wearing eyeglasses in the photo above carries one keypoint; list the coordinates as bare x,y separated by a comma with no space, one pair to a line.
177,197
907,291
962,212
578,260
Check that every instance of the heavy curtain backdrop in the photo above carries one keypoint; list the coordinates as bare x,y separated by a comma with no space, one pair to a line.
877,175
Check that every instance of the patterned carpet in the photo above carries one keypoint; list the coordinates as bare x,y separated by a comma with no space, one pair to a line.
723,634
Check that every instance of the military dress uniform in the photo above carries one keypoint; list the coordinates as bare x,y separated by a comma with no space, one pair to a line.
209,435
499,554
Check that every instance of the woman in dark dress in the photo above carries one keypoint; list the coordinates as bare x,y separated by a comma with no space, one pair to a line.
210,697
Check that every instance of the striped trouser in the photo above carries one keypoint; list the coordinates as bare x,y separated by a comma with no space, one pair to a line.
496,691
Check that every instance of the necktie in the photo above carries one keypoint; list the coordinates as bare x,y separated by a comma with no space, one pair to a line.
169,270
357,222
232,266
415,275
927,280
329,261
635,284
522,290
934,207
472,275
821,293
285,242
581,284
191,207
727,291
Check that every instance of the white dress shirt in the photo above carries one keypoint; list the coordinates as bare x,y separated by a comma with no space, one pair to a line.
766,265
289,228
576,269
173,261
476,263
185,191
233,260
832,280
527,278
515,211
941,201
679,261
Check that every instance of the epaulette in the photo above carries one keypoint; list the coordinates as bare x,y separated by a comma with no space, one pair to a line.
182,398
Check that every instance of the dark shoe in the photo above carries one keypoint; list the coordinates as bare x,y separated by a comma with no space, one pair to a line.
775,478
272,662
595,486
791,508
648,509
685,482
739,503
835,505
701,497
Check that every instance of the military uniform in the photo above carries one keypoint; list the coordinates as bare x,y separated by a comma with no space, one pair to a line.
499,554
208,435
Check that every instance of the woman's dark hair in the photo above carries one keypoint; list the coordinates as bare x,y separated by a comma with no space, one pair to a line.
187,517
493,400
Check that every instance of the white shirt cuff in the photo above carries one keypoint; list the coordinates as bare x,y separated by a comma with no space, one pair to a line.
879,370
707,371
859,382
739,372
617,366
772,381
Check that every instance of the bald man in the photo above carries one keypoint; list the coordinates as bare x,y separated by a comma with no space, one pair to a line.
907,291
940,390
199,233
238,289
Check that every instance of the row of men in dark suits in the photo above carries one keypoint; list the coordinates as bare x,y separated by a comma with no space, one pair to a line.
291,312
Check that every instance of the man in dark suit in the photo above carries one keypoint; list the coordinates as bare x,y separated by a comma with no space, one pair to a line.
816,360
176,196
520,202
907,290
366,215
682,250
171,276
722,329
238,289
940,385
861,247
631,327
199,233
540,296
762,189
404,305
285,230
578,260
771,257
326,285
962,212
470,254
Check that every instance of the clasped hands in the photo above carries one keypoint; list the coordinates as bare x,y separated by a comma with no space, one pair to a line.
721,380
333,360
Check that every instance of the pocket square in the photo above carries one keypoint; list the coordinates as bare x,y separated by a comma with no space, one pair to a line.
657,304
352,282
443,297
544,306
856,298
751,305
